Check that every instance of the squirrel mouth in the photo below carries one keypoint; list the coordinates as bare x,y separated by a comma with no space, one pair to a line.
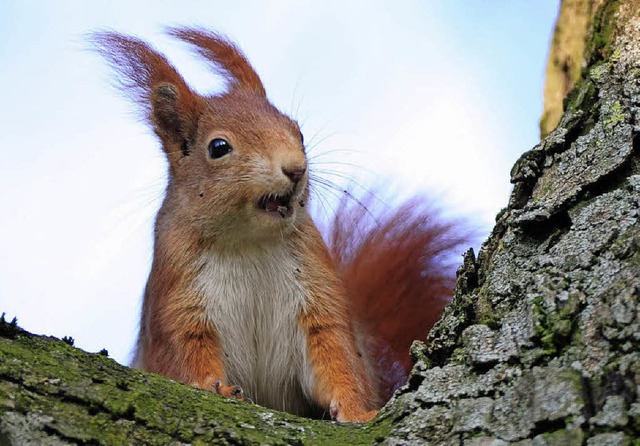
276,204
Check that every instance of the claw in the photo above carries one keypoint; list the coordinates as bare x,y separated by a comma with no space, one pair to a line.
234,392
344,416
237,392
333,411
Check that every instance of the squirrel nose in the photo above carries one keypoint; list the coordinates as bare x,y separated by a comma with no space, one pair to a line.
294,174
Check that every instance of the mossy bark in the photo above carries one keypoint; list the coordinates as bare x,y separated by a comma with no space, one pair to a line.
540,346
52,394
566,57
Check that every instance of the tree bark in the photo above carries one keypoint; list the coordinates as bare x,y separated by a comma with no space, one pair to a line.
566,58
540,346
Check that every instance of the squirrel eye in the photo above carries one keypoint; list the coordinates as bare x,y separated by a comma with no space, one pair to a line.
302,138
219,147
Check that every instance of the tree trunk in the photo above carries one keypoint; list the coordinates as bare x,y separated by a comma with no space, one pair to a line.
566,58
540,346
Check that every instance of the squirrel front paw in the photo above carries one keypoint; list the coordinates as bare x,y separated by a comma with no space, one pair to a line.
344,414
234,392
215,385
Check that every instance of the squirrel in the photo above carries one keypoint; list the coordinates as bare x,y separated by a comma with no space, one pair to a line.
244,298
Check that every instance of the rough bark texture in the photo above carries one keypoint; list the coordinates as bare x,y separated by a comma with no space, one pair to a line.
541,345
542,342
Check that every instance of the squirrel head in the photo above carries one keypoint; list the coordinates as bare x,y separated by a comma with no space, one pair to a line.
237,165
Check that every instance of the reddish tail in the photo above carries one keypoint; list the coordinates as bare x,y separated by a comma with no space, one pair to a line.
398,269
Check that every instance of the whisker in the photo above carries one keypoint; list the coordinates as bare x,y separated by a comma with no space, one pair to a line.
293,99
345,177
351,182
324,167
339,163
319,200
313,144
335,173
341,193
331,152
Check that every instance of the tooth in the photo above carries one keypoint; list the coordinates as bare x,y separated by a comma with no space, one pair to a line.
282,210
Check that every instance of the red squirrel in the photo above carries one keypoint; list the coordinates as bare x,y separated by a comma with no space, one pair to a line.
244,297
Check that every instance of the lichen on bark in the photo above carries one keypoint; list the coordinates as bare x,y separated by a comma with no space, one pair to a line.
549,329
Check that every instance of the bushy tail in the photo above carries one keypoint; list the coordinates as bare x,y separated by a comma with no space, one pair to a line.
398,267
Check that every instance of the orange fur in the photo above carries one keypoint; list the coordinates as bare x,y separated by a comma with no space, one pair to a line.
227,217
396,265
175,340
341,380
142,70
225,58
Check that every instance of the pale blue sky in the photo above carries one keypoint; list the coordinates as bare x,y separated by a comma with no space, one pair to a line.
422,95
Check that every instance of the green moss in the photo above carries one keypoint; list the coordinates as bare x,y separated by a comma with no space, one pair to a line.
458,356
485,312
601,40
564,437
580,102
553,329
501,213
494,321
92,399
490,317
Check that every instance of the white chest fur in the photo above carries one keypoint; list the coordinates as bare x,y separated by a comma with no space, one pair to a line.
254,300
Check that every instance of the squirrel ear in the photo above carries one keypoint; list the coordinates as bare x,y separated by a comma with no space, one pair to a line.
173,121
224,57
146,76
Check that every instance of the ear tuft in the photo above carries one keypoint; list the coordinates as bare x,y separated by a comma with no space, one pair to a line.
146,76
223,56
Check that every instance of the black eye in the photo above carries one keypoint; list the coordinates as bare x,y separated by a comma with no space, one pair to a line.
219,147
302,138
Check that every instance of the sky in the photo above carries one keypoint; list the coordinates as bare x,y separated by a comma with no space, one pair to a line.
412,97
